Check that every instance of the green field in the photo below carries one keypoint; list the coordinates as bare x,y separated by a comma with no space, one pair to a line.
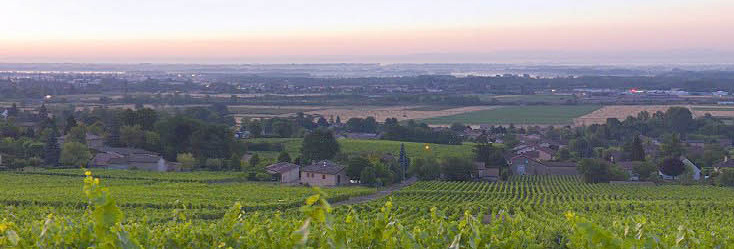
540,115
529,99
153,191
524,212
293,147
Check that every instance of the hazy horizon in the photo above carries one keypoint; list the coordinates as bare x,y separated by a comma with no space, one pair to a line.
327,31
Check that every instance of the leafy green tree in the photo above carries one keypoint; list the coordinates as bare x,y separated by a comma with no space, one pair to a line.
645,170
319,145
679,119
255,128
214,164
368,176
712,153
113,132
322,122
672,166
52,152
75,154
235,163
635,150
254,160
425,168
564,154
70,123
186,160
356,165
132,136
726,178
457,169
77,134
672,146
598,171
284,157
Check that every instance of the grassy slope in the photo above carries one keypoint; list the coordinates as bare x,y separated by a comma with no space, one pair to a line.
293,146
562,114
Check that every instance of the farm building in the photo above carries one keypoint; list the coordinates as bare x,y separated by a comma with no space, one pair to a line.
524,165
284,172
91,140
324,173
130,158
482,172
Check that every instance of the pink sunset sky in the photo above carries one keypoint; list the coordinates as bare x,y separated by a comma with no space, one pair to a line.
282,31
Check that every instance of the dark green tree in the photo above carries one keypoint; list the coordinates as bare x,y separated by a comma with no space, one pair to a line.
457,169
254,160
319,145
672,146
598,171
672,166
70,123
113,132
403,161
52,151
284,157
355,167
635,150
679,119
255,128
368,176
322,122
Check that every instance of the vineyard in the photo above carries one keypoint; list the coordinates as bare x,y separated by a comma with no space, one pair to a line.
524,212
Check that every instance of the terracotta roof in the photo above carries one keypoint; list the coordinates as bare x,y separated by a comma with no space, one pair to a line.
281,167
324,167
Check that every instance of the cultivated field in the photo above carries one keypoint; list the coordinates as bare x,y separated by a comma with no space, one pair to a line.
156,193
623,111
524,212
519,115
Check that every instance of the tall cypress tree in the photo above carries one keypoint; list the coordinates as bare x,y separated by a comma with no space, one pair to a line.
637,152
113,132
404,161
43,112
52,151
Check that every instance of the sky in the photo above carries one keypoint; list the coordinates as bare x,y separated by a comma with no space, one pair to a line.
375,31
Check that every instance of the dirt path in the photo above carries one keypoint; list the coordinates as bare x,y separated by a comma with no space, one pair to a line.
379,194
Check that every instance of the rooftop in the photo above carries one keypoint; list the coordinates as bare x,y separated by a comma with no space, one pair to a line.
324,167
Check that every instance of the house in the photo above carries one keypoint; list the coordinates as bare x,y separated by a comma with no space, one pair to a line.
324,173
524,165
92,141
561,168
284,172
131,158
629,167
482,172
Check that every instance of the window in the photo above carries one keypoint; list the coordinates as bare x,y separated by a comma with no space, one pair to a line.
323,176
